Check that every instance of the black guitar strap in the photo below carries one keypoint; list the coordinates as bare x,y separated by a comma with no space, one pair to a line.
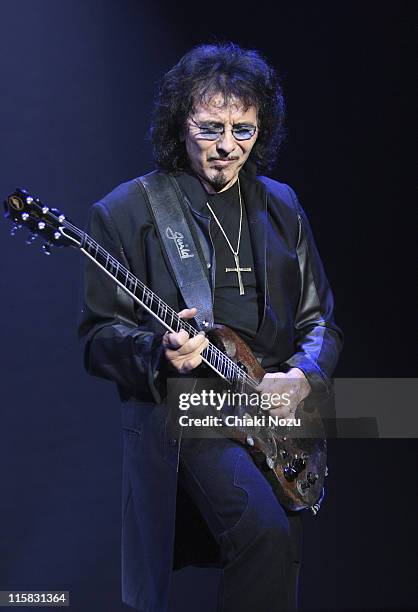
181,245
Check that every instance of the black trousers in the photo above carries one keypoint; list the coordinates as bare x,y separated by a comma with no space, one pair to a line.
259,541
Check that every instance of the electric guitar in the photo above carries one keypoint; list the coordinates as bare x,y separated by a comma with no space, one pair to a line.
294,466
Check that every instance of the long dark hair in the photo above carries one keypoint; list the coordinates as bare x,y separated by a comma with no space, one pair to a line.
206,70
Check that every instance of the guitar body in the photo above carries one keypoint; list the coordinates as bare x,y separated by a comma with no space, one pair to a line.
297,476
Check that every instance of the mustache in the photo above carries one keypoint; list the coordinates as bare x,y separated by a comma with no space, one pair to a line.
223,158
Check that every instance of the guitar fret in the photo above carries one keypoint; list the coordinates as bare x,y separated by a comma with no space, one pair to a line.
226,366
132,283
162,310
147,297
211,356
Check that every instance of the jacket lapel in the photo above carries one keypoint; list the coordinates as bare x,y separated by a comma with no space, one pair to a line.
255,200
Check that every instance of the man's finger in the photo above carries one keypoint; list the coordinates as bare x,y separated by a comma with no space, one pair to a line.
193,345
174,340
187,313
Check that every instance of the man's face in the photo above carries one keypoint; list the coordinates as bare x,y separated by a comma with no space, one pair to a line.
218,162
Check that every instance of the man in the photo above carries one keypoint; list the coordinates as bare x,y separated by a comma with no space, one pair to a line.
218,118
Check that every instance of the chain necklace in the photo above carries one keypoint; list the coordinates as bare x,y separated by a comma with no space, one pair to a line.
235,252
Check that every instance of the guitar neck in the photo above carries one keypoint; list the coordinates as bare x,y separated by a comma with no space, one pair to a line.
138,291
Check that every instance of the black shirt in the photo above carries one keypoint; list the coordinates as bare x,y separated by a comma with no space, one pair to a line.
241,312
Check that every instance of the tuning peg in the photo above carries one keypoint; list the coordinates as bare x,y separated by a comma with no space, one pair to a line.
31,238
46,248
15,229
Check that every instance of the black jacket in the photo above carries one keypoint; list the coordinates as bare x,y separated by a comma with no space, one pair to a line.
123,344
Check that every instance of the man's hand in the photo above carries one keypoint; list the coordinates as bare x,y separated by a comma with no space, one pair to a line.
183,352
292,387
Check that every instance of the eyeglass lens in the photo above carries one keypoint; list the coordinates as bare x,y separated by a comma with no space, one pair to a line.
213,133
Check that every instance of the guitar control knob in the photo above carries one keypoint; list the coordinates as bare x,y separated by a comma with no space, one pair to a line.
289,473
15,229
312,478
57,235
304,486
299,464
25,216
41,225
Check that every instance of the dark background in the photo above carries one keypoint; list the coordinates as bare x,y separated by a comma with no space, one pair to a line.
76,80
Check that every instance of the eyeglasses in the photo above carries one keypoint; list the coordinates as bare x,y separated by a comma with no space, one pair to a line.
213,131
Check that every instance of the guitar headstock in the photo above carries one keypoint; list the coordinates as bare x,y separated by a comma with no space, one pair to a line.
25,210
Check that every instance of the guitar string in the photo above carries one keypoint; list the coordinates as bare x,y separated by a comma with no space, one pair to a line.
219,355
